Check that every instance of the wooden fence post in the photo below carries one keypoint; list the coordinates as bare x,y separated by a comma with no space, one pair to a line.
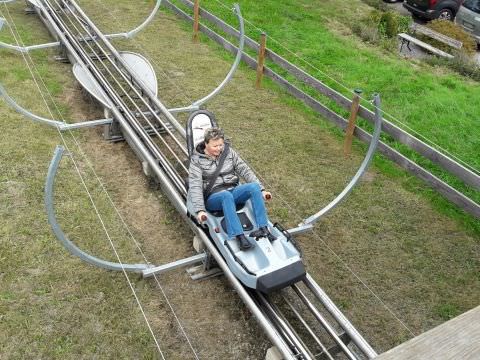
196,16
261,60
347,146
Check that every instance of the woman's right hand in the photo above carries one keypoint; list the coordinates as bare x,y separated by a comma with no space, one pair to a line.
201,217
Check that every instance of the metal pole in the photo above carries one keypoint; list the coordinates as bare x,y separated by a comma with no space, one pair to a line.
25,49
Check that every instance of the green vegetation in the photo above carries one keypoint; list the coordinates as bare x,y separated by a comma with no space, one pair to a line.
381,28
454,31
447,311
377,4
431,102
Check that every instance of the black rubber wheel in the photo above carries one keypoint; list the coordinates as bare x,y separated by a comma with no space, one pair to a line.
445,14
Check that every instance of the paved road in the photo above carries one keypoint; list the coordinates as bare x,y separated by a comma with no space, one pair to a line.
398,6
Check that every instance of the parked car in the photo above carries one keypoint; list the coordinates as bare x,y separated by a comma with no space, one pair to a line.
468,17
433,9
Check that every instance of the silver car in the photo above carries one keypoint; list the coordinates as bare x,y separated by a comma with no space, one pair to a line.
468,17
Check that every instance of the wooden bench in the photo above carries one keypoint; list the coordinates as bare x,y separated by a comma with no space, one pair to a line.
407,39
419,29
416,28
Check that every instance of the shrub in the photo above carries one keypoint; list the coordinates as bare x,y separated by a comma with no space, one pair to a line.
381,28
461,63
366,32
453,31
388,24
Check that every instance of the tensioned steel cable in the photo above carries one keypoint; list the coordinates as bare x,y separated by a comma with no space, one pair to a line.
85,187
123,221
349,90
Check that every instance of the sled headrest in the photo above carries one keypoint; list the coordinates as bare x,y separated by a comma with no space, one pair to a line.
197,123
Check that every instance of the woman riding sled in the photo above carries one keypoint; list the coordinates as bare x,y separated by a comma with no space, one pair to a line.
214,185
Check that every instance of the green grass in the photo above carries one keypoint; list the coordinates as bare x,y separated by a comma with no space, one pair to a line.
434,102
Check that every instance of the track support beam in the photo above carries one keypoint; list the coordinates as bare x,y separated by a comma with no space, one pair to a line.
174,265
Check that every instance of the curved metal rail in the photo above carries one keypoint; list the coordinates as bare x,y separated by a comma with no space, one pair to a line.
28,114
57,230
363,167
125,35
62,126
130,34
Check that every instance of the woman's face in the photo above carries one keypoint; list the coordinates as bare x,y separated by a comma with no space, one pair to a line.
214,147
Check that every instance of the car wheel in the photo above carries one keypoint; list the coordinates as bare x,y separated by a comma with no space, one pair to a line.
445,14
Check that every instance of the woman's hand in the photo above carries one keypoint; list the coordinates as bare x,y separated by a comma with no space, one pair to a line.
266,195
201,217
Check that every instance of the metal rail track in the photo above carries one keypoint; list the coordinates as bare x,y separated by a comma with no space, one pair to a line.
148,127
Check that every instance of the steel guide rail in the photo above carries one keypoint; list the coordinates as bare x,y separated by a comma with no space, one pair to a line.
341,342
130,82
128,98
118,107
130,79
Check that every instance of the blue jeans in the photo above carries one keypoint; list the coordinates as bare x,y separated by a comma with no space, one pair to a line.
226,200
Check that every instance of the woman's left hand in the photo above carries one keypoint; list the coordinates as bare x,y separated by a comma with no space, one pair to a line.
266,195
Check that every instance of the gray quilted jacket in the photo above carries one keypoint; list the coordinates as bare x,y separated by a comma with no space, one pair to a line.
202,168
